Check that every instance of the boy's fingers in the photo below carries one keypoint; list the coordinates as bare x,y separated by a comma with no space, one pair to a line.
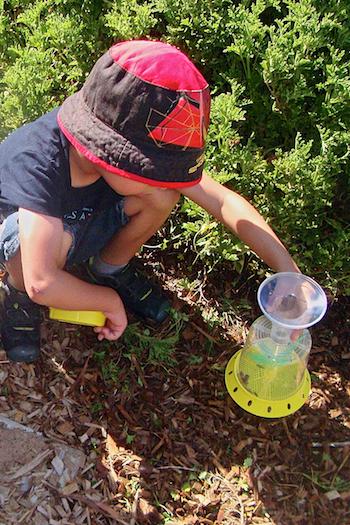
111,330
108,333
295,335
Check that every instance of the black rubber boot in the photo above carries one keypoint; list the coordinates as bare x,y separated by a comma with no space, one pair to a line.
20,325
139,295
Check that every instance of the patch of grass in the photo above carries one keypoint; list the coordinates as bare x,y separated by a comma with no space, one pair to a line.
131,489
315,378
194,359
157,422
188,285
248,462
336,483
5,391
99,356
167,515
156,348
96,408
130,438
110,372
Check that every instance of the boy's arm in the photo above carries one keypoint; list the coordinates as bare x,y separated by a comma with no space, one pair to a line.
243,220
41,241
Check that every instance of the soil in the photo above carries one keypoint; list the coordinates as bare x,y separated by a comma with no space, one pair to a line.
160,439
18,447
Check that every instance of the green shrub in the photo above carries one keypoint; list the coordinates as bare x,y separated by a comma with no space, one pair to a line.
130,18
47,54
279,136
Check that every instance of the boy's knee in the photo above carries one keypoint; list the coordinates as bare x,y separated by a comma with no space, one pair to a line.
165,199
159,201
173,195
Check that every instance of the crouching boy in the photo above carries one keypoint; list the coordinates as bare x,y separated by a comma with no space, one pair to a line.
91,181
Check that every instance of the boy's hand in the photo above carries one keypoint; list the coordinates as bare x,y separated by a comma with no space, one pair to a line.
287,302
116,322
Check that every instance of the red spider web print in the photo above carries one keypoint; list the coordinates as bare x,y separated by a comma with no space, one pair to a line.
184,126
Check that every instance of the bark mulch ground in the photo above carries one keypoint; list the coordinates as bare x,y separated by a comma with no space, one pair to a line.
142,431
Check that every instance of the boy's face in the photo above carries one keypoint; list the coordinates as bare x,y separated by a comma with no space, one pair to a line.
125,186
121,185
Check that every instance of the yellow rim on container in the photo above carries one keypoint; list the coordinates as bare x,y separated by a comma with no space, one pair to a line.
264,407
83,317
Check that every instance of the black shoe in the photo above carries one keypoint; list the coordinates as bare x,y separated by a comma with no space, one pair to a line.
20,325
139,295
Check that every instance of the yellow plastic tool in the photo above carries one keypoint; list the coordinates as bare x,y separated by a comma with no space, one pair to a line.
257,403
83,317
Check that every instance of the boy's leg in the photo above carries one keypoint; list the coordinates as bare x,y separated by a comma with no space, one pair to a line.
146,215
20,317
15,273
20,322
14,264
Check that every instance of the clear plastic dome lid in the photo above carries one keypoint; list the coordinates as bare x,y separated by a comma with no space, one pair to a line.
292,300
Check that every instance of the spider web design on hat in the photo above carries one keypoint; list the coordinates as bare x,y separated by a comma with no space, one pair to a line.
184,126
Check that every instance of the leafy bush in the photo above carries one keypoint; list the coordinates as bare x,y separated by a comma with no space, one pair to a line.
130,18
280,80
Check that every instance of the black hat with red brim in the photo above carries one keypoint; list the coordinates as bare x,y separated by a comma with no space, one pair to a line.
142,113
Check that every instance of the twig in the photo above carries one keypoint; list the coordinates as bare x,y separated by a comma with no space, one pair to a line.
98,427
134,507
10,424
87,512
139,370
62,370
175,467
125,414
32,464
28,514
80,377
339,468
97,506
158,446
241,510
335,444
257,507
203,332
290,439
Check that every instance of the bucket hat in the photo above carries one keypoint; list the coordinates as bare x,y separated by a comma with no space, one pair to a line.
142,113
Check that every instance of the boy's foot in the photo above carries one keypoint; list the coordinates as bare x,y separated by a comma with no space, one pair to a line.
20,325
139,295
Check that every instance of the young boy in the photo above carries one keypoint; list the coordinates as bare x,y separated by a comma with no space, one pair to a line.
91,181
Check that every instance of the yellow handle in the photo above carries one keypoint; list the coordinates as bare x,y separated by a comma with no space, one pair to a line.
84,317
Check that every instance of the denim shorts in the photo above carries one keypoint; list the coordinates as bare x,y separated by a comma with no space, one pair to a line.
89,236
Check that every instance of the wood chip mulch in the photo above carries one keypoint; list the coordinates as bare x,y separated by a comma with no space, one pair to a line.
103,434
